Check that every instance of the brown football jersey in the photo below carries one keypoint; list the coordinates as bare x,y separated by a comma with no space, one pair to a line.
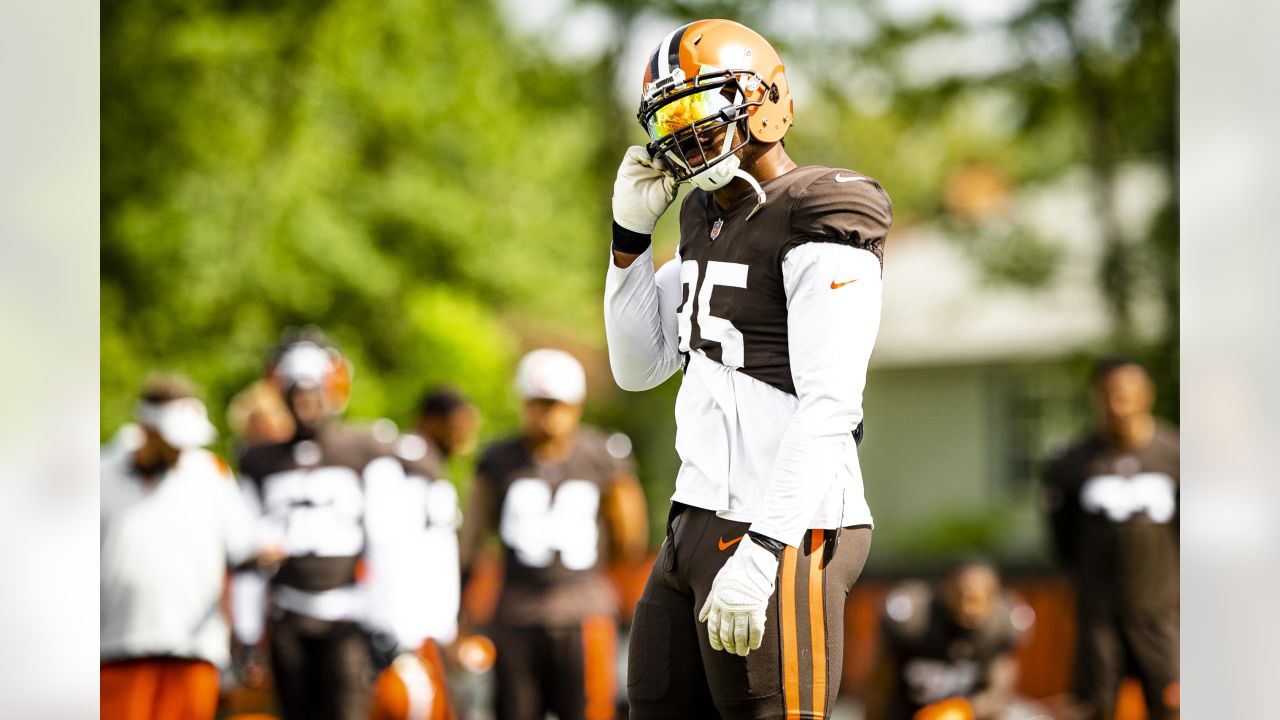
731,266
1115,521
312,492
549,517
432,493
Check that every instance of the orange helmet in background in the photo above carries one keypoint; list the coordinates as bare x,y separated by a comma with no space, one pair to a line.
414,687
955,708
709,88
306,357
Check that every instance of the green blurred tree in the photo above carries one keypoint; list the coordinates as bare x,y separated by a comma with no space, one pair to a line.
409,177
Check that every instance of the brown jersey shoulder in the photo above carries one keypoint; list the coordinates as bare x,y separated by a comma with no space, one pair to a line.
839,206
609,457
352,446
419,458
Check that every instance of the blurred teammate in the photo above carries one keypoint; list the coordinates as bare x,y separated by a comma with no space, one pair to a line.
560,496
312,490
949,654
257,415
413,551
771,309
172,523
1112,500
448,423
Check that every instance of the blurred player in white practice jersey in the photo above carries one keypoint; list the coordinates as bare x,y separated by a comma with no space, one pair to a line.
173,523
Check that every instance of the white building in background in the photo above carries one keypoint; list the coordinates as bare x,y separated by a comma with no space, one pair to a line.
973,381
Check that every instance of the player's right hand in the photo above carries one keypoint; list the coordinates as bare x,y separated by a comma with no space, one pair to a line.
642,191
250,664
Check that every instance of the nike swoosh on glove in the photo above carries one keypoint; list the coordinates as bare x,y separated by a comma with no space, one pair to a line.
642,191
735,609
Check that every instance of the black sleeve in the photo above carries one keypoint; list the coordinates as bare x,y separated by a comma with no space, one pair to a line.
249,464
1061,509
486,464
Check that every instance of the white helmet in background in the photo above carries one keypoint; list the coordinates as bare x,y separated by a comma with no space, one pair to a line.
551,375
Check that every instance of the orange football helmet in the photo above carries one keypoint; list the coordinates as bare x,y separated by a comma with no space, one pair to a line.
709,88
955,708
413,688
307,356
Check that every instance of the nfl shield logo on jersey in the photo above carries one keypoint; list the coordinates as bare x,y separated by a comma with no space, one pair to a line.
715,229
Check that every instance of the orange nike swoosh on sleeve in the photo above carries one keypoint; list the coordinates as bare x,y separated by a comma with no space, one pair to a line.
836,286
726,545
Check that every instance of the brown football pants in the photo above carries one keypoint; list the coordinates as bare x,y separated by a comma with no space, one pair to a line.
158,689
1110,646
321,669
672,670
571,671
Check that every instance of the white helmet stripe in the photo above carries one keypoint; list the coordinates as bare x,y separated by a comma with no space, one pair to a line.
728,136
417,686
664,53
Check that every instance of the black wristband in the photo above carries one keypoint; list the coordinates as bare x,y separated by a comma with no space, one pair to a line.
774,546
630,242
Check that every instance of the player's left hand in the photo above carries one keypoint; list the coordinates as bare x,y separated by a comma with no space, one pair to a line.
735,609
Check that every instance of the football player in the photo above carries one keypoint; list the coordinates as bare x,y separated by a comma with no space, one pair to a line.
771,309
448,423
561,497
173,522
311,490
951,652
1112,500
417,603
415,590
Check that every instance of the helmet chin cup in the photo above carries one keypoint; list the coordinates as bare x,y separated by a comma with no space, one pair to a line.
718,175
723,173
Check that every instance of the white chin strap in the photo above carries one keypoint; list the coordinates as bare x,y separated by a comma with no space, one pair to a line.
723,172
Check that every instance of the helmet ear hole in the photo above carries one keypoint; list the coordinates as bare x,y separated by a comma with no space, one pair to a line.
773,93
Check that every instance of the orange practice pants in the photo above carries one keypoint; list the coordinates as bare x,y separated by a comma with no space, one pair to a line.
159,689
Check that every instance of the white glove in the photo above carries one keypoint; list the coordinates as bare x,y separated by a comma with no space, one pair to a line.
735,609
642,191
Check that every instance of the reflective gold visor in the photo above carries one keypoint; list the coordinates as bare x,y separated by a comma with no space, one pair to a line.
685,111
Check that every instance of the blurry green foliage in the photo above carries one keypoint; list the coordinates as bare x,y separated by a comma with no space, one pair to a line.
1009,255
406,183
949,537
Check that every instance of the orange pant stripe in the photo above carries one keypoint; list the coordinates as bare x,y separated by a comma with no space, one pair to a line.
790,647
817,625
599,652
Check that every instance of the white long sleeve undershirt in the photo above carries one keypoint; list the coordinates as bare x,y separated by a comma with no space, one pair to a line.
833,315
640,322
